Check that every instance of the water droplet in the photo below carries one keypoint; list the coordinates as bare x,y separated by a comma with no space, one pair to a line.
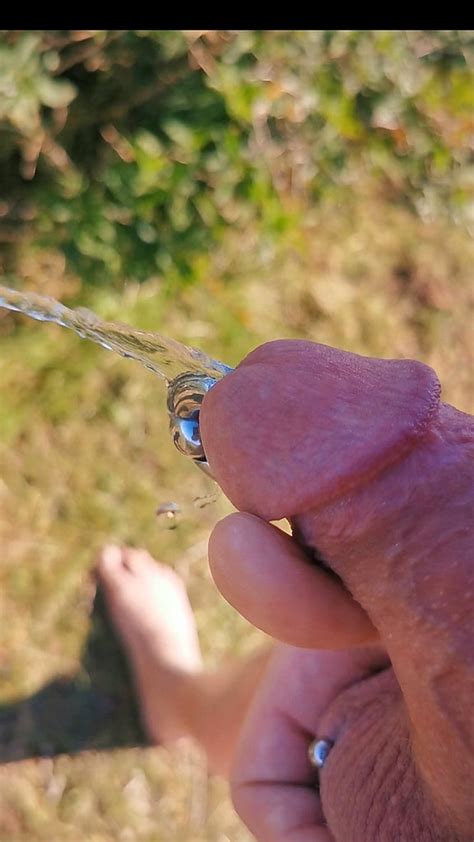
168,510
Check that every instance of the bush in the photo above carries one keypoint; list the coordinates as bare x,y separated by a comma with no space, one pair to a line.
132,151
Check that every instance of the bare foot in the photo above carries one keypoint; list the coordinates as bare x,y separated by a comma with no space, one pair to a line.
150,610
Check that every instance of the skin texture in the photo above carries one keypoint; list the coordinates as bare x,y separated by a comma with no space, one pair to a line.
376,477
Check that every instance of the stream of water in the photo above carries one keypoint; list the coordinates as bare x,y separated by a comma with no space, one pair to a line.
161,355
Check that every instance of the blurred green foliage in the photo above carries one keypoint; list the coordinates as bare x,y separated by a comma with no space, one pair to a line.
132,151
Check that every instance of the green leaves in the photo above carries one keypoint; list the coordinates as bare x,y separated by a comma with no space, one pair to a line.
142,147
26,84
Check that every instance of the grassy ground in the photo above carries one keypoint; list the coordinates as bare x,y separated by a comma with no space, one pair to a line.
85,458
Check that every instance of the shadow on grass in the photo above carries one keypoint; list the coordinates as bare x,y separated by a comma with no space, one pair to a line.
94,709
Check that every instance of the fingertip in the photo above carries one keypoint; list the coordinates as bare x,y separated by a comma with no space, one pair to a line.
268,578
230,536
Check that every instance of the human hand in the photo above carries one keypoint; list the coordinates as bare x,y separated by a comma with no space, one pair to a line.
375,476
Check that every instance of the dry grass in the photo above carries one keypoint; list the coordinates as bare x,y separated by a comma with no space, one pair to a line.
85,458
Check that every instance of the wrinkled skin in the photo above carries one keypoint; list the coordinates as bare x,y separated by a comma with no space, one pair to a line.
375,475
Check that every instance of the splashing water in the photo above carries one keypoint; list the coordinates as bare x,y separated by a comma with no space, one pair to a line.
163,356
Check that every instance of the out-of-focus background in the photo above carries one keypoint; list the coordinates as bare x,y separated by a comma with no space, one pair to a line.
225,188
